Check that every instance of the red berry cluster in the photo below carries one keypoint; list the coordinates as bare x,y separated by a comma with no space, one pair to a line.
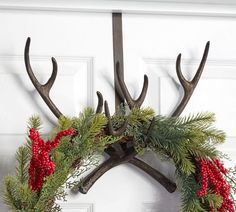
211,173
41,165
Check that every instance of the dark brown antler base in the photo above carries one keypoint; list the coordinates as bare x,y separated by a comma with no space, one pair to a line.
103,168
121,154
114,161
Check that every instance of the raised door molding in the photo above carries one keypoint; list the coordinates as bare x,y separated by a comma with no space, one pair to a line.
77,207
212,8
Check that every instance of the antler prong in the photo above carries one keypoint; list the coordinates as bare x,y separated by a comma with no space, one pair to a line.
179,72
100,102
189,86
53,76
110,127
130,101
43,90
90,179
202,64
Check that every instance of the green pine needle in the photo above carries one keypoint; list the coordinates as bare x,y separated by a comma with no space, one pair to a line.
11,193
22,158
34,122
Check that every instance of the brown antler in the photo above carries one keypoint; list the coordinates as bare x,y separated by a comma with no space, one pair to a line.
131,102
188,91
118,157
110,163
100,102
114,161
43,90
189,86
128,155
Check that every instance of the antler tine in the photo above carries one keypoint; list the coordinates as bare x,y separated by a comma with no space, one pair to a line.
202,64
130,101
100,102
42,89
110,127
189,86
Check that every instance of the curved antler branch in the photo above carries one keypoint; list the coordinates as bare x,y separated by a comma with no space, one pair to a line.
130,101
43,90
110,127
189,86
102,169
155,174
112,162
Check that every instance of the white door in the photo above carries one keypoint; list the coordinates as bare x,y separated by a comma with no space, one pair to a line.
82,44
151,46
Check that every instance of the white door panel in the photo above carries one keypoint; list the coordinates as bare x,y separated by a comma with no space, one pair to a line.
151,46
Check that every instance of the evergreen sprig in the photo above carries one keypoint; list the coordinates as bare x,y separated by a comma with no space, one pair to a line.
22,159
11,194
181,139
34,122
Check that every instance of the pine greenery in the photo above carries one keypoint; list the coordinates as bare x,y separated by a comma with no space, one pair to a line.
180,140
22,159
70,153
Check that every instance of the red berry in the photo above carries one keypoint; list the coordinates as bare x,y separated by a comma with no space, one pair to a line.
40,165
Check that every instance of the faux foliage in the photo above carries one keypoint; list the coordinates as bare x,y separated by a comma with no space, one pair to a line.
180,140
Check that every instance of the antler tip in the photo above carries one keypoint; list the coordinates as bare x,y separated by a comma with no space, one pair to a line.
28,40
106,107
100,102
54,69
27,45
145,78
178,61
53,60
107,112
207,45
105,103
179,56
